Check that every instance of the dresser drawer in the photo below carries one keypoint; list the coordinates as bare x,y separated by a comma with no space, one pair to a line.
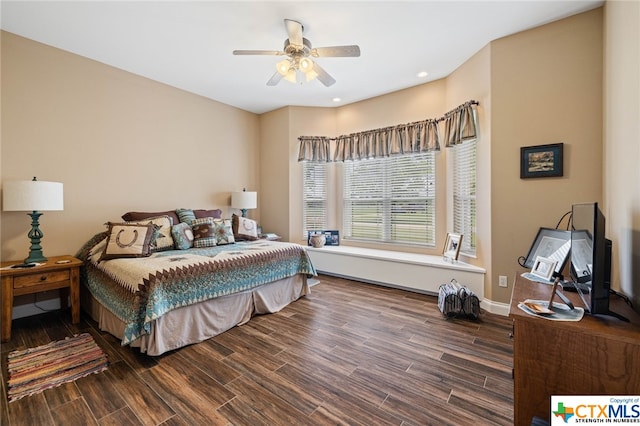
39,279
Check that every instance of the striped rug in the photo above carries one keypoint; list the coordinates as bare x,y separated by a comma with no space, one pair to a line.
34,370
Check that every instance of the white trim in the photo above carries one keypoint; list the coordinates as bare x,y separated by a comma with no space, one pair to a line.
497,308
411,271
370,266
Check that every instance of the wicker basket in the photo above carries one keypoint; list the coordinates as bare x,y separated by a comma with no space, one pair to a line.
455,300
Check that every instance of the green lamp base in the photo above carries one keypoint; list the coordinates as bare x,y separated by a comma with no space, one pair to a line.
35,251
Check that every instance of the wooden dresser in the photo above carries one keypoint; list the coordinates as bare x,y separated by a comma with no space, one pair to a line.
599,355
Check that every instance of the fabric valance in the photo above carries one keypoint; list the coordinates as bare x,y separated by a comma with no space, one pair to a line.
460,125
314,148
410,138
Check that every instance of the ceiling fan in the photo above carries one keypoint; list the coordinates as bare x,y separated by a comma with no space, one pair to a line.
298,50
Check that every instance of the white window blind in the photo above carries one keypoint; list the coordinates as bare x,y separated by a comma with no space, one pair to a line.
464,194
390,199
314,184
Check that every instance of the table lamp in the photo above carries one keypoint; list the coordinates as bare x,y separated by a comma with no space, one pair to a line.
244,200
34,196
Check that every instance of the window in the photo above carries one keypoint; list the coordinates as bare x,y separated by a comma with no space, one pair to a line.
314,208
464,194
390,200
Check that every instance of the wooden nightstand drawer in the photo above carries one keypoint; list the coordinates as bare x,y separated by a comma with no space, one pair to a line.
39,279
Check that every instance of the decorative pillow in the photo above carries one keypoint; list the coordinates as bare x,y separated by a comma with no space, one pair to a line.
182,236
204,232
128,240
216,214
243,228
223,231
138,216
164,240
186,215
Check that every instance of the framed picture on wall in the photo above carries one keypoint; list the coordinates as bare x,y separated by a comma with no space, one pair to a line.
541,161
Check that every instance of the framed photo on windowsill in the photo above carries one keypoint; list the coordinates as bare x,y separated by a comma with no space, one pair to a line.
452,246
541,161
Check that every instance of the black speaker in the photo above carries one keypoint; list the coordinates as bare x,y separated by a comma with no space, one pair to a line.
608,249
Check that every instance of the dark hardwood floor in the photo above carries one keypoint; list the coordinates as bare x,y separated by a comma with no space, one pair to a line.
348,353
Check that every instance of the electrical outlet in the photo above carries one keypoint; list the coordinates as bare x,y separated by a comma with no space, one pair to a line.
502,281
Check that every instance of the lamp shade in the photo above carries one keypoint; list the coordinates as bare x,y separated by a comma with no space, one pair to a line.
244,200
32,195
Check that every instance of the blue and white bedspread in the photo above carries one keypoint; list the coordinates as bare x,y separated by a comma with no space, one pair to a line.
140,290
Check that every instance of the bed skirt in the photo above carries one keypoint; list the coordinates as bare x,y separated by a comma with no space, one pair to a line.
195,323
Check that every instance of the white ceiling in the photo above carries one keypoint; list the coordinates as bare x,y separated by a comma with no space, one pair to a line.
188,45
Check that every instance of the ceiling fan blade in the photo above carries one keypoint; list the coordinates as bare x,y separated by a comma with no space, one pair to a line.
323,76
258,52
336,51
275,79
294,29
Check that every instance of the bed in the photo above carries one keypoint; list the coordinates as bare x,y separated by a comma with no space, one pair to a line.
176,297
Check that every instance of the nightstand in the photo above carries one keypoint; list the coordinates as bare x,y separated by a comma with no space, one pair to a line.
60,272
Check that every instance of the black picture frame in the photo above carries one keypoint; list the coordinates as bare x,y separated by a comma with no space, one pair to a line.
541,161
550,243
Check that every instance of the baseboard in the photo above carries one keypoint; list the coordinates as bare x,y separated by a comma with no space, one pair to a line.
497,308
490,306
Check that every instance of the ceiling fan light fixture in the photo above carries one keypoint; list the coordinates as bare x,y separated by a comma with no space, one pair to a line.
298,49
291,75
311,74
283,67
305,65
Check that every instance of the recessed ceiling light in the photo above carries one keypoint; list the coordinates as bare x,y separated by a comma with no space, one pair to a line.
336,99
422,74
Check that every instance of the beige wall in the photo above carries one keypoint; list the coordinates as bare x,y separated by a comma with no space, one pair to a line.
537,87
622,142
305,121
117,141
546,87
273,198
472,80
121,142
281,174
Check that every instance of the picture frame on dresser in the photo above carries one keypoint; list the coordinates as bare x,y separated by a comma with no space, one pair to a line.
544,268
552,244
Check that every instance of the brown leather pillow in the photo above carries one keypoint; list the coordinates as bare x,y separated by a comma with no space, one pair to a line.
136,216
216,213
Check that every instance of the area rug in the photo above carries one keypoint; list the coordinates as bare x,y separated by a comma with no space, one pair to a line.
34,370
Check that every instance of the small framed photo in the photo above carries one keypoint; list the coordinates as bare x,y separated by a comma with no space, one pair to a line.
541,161
452,246
543,267
332,238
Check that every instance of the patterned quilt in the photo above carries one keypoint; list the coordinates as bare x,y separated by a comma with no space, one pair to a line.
140,290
